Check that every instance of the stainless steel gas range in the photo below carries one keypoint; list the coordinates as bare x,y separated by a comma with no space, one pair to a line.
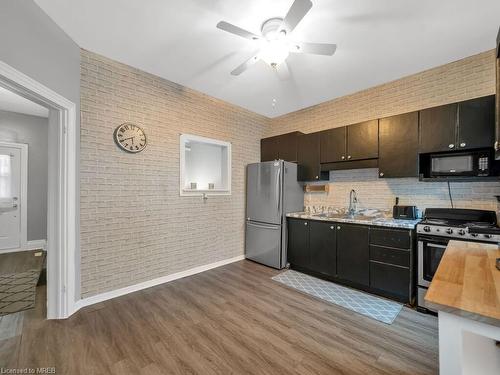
438,227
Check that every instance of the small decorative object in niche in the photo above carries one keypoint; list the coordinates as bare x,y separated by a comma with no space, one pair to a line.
130,137
313,188
205,166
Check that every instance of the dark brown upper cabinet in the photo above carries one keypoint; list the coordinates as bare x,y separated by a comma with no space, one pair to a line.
438,128
269,149
458,126
476,119
283,146
398,146
333,145
349,143
362,140
309,157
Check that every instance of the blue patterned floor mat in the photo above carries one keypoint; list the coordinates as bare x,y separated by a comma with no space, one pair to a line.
376,308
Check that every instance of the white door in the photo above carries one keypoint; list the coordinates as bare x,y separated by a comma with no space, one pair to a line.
10,191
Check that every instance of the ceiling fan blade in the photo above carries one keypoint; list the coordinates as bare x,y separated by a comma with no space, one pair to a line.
247,64
297,11
283,71
230,28
313,48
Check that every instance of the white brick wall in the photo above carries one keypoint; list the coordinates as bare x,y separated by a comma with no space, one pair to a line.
134,224
374,192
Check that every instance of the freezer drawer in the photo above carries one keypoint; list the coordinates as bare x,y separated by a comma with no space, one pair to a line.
263,243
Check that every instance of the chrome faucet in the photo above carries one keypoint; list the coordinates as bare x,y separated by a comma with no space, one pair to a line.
353,202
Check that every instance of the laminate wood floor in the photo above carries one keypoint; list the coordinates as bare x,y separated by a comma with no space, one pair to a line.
230,320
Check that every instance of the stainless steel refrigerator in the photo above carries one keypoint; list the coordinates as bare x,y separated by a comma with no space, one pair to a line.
272,192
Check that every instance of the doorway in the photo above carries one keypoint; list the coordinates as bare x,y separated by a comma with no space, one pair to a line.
62,197
13,197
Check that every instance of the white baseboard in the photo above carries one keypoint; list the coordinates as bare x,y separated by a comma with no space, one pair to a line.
30,245
36,244
150,283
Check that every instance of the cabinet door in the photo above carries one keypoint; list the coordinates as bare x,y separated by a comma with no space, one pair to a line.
287,146
333,144
353,253
268,149
438,128
323,247
398,148
362,140
309,167
298,243
392,280
476,123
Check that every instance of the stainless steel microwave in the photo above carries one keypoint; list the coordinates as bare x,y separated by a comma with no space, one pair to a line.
465,164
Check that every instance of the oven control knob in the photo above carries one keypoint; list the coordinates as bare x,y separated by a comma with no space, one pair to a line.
487,236
473,234
461,232
427,228
449,231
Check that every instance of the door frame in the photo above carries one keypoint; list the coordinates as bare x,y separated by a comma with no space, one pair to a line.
23,192
62,230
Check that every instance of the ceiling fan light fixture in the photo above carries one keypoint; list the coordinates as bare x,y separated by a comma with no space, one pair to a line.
275,52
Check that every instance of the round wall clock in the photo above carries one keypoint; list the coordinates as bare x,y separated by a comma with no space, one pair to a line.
130,137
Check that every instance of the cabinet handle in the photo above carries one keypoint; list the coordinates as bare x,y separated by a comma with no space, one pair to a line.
381,174
343,157
331,227
463,144
338,227
451,145
305,223
349,157
317,177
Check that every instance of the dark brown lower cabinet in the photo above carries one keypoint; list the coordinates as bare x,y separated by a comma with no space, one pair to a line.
375,259
353,253
391,280
298,243
323,247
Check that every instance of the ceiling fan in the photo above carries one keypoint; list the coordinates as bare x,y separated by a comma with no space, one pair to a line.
275,44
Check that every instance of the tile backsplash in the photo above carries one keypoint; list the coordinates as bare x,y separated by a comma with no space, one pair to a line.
374,192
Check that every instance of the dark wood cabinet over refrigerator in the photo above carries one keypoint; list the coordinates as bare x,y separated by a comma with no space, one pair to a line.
283,147
458,126
398,146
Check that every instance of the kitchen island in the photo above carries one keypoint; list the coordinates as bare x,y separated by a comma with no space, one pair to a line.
465,291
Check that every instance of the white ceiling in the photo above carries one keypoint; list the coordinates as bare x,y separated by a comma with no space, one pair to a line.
378,41
12,102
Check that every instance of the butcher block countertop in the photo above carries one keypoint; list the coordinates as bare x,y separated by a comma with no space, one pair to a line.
467,283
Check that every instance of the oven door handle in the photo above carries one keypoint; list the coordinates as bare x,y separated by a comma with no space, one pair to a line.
436,245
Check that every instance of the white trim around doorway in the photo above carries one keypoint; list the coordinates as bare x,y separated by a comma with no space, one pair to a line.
62,231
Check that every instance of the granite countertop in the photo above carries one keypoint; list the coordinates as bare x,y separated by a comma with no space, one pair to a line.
467,282
382,221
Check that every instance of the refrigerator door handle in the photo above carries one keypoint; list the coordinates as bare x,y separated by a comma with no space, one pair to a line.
278,184
264,226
